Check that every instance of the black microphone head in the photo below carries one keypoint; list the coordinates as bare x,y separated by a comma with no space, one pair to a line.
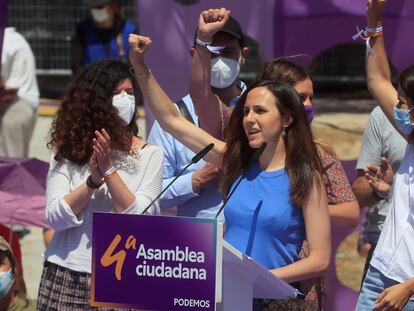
202,153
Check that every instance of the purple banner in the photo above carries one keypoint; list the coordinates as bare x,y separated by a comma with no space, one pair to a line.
153,262
311,27
172,26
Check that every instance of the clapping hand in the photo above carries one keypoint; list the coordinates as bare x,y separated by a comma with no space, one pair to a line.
381,177
96,174
102,150
210,22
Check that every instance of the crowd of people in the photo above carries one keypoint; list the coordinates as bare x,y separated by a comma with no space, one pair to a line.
287,197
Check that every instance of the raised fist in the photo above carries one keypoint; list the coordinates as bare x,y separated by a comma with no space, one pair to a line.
211,22
374,7
138,45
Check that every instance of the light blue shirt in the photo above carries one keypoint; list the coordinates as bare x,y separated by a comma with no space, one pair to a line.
204,204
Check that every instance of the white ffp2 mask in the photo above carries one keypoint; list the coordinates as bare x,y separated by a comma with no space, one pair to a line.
100,15
224,71
125,104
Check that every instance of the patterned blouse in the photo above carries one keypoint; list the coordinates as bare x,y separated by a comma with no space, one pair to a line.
337,185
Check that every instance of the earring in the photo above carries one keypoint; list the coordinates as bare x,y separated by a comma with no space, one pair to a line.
284,133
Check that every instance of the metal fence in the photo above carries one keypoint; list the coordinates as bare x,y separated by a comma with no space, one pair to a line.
341,68
48,25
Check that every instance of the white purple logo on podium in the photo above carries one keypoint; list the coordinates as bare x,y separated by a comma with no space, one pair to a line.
153,262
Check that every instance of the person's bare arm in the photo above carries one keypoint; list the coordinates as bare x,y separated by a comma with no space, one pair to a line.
163,109
207,104
377,65
345,214
317,223
363,191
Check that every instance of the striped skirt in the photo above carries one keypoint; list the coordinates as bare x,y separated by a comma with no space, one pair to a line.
62,289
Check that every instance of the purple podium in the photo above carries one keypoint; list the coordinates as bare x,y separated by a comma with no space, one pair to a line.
173,263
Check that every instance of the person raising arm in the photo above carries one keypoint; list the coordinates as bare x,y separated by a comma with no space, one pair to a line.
271,113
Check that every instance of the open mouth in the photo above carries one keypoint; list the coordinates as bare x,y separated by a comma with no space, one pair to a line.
253,131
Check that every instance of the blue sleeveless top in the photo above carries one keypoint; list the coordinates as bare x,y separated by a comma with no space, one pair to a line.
261,220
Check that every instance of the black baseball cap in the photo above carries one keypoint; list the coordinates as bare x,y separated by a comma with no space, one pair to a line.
232,27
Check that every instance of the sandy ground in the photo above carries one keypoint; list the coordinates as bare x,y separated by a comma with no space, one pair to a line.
342,130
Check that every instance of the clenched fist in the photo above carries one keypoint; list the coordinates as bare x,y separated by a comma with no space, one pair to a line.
138,45
211,22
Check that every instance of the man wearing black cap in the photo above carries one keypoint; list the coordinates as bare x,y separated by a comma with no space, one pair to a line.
220,49
104,34
195,193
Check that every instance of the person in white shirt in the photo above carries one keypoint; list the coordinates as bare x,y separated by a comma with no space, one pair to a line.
392,263
98,164
19,95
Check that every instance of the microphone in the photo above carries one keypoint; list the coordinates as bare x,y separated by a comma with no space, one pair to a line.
201,154
194,160
256,155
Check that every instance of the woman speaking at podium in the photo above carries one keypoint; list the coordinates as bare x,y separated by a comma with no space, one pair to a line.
280,199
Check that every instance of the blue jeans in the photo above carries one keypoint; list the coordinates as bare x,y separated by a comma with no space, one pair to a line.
375,282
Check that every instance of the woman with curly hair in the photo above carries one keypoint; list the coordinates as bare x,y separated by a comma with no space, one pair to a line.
98,164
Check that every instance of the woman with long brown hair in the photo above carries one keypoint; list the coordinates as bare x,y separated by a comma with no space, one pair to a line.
99,163
280,197
343,207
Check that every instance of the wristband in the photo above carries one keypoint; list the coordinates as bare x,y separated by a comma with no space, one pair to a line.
143,75
203,43
91,184
368,33
109,171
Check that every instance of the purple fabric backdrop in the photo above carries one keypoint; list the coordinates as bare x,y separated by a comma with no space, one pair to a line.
311,27
281,27
172,26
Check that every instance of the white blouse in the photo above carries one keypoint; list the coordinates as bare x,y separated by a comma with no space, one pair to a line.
72,241
394,254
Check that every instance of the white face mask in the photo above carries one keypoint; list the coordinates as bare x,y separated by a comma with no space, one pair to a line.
125,104
6,282
224,71
100,15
